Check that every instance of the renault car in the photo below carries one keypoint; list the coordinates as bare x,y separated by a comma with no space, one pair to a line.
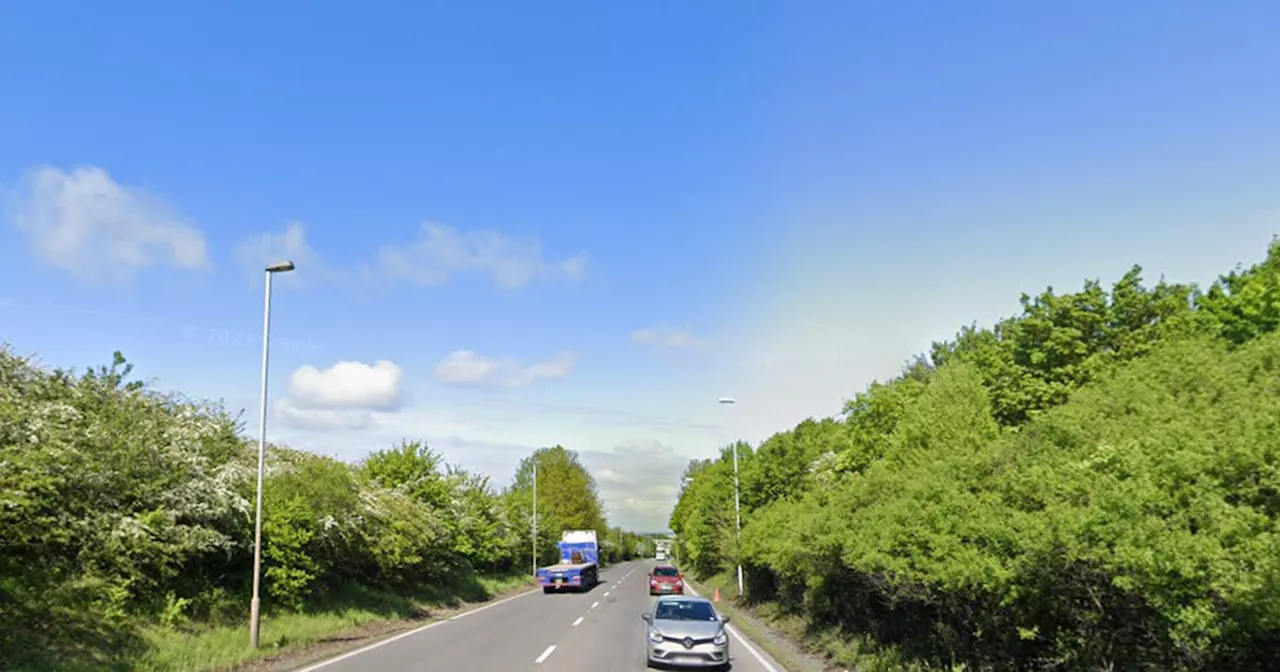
686,631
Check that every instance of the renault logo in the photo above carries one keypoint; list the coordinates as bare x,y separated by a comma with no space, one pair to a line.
688,642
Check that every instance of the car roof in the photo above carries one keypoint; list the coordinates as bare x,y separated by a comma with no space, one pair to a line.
664,565
682,598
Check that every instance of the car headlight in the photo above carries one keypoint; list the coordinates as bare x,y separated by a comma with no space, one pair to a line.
720,638
655,636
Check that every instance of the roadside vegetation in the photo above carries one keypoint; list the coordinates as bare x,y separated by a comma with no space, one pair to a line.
126,528
1093,484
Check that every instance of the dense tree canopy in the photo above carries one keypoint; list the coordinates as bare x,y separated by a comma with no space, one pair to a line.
1091,483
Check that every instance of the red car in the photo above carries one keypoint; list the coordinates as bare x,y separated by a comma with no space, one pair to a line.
666,580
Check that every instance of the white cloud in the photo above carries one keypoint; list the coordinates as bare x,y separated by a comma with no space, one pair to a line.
440,252
343,396
465,368
320,419
348,385
257,251
85,223
669,338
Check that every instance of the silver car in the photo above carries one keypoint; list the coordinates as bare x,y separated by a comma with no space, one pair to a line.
686,631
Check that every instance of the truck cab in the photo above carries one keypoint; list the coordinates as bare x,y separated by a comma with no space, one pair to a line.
579,567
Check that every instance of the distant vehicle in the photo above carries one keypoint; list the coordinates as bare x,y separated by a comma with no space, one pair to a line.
579,566
660,555
686,631
666,580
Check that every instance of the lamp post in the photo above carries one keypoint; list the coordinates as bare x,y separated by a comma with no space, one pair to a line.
737,502
535,519
255,605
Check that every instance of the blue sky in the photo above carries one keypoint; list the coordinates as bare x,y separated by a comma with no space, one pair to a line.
636,208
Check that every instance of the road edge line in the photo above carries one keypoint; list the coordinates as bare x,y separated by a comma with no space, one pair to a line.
381,642
741,639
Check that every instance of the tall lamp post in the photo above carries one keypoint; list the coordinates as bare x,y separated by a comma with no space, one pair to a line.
737,502
255,605
535,519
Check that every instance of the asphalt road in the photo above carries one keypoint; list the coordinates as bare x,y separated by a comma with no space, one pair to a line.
596,631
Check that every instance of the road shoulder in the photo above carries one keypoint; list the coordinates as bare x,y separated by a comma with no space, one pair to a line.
788,656
348,641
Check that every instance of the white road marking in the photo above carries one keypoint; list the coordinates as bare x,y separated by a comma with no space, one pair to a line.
578,622
415,631
606,593
742,640
546,654
594,605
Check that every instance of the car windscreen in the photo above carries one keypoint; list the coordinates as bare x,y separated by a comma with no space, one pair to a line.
665,571
685,611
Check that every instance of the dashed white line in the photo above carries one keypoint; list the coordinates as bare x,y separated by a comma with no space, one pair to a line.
606,593
578,622
545,654
594,605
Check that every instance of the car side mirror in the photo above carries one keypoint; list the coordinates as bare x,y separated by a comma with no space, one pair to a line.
724,619
646,618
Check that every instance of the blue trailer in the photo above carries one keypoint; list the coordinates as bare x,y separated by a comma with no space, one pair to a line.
579,566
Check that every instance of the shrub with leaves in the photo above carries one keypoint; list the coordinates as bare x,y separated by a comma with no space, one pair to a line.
121,505
1090,485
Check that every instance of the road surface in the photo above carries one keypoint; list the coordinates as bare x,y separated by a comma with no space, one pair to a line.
596,631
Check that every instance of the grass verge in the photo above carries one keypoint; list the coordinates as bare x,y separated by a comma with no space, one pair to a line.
351,618
789,654
798,646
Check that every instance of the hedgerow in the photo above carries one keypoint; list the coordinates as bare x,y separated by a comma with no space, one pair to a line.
1093,484
122,506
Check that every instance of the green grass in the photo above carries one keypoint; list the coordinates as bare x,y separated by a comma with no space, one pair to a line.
728,584
846,651
200,649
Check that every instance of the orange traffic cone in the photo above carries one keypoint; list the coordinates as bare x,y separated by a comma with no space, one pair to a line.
717,596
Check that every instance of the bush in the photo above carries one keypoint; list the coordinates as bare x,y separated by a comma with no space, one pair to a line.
123,506
1094,484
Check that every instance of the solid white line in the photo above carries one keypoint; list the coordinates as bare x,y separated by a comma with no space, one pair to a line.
578,622
742,640
594,605
402,635
545,655
492,604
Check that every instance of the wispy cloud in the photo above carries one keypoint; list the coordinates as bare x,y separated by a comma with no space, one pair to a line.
85,223
440,252
466,368
678,339
434,257
254,253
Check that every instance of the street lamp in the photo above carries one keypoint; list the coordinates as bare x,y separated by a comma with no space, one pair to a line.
737,503
535,518
255,611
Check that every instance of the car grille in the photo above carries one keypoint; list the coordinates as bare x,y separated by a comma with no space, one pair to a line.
683,641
